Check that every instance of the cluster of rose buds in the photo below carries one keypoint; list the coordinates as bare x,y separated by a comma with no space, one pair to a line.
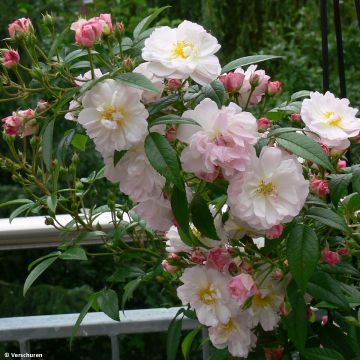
21,123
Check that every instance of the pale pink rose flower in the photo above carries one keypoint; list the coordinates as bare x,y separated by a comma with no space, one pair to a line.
263,123
330,257
273,87
274,232
20,26
241,287
174,244
219,258
232,81
87,32
12,124
168,268
11,58
256,79
319,187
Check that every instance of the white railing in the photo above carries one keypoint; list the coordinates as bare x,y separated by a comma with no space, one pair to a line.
31,232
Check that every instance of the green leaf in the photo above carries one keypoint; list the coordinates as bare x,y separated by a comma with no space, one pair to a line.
338,186
328,217
247,60
64,145
81,65
51,201
296,322
137,81
322,286
118,156
74,253
180,208
214,91
187,342
352,202
109,303
163,158
219,354
36,272
47,144
300,94
77,54
55,253
145,23
171,119
202,217
322,354
129,289
302,250
162,103
59,39
304,147
173,338
17,201
356,180
79,141
282,130
21,209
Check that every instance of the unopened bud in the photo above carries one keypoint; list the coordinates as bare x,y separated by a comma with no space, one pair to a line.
128,63
48,20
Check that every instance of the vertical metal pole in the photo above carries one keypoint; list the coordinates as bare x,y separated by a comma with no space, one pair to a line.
339,48
206,346
325,50
357,6
24,346
115,353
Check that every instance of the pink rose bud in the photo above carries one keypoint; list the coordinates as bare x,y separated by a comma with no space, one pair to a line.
273,354
11,58
319,187
29,124
12,124
274,232
273,88
325,149
330,257
343,251
263,123
120,26
174,84
232,81
241,287
295,117
87,32
173,256
171,134
278,275
107,27
42,104
324,320
219,258
128,63
341,165
20,27
167,267
198,257
254,79
283,309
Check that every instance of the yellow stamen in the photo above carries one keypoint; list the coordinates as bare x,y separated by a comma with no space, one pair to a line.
207,295
181,49
229,326
265,189
335,120
112,113
260,301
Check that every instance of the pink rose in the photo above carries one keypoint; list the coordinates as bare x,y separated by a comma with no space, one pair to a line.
263,123
219,258
174,84
274,232
232,81
341,165
241,287
324,320
11,58
319,187
87,32
20,26
330,257
12,124
273,88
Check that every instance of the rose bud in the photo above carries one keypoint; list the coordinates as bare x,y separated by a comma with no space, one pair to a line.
341,165
273,88
319,187
330,257
295,117
12,124
232,81
325,149
278,275
42,104
274,232
20,27
87,32
343,251
11,58
171,134
263,124
120,26
198,257
174,84
167,267
324,320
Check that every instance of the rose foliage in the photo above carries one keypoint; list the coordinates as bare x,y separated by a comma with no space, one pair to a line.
248,212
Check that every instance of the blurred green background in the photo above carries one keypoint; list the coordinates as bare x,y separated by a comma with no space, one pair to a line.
290,28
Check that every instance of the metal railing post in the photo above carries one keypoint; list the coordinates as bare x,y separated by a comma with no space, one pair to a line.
115,353
24,346
206,345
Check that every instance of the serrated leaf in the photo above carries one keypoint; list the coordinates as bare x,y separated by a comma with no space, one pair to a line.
146,22
51,201
187,342
302,250
338,186
163,158
74,253
304,147
171,119
247,60
137,81
202,217
328,217
109,303
79,141
47,144
214,91
322,354
36,272
323,287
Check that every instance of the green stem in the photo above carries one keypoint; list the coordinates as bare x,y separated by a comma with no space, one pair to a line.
91,64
